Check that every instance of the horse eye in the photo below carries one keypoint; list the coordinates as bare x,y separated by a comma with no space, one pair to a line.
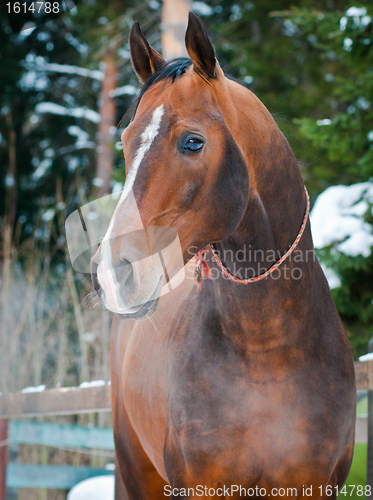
194,145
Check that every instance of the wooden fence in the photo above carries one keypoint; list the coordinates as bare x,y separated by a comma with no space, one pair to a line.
62,436
75,400
64,401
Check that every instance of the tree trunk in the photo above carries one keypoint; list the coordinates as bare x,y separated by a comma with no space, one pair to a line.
107,110
10,210
174,24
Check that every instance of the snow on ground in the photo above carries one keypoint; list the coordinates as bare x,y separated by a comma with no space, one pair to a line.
366,357
94,488
39,388
337,218
94,383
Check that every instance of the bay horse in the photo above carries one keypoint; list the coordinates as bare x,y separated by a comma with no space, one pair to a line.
240,382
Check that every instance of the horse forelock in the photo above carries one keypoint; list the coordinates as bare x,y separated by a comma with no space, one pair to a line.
172,69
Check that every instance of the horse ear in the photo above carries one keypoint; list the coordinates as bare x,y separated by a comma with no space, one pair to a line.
199,47
145,60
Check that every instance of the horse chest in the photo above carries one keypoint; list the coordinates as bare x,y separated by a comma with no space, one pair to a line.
221,424
189,394
213,405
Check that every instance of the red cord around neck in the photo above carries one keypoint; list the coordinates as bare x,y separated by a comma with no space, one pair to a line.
203,268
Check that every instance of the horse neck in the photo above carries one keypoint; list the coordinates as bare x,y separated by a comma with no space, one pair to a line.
274,214
277,200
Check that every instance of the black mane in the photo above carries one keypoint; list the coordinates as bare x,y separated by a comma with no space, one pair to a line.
171,69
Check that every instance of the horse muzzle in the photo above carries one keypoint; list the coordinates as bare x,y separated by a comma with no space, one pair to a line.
129,289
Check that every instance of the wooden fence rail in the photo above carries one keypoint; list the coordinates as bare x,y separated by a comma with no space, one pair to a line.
50,402
63,401
61,435
60,477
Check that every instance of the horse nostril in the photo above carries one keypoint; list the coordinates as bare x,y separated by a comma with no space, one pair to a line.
96,284
123,270
125,276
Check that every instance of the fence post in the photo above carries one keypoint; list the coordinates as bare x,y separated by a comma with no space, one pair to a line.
3,456
370,418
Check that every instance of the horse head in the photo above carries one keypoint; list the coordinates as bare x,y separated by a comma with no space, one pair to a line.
189,158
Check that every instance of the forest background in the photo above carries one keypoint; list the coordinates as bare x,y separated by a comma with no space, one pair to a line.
65,86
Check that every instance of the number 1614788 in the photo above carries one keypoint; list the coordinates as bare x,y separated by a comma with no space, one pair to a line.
34,7
347,490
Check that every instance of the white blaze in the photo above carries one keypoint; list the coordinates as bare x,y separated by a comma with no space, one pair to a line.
105,269
147,137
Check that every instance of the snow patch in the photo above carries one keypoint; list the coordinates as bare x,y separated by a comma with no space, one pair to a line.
27,29
359,15
56,109
98,182
94,383
337,218
322,123
94,488
117,187
347,43
356,11
248,79
125,90
333,279
9,180
366,357
48,215
74,42
42,168
153,4
81,137
39,388
32,79
67,69
123,53
202,8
